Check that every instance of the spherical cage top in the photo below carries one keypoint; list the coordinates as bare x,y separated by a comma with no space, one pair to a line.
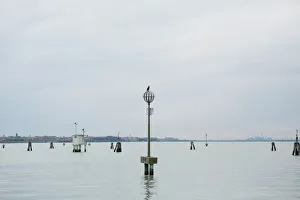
148,96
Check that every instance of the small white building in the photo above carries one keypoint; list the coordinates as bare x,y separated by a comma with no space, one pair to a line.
78,141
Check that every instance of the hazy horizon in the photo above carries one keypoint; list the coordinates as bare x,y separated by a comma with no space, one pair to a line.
226,68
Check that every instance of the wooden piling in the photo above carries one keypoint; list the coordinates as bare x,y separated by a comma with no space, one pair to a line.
146,172
296,148
118,147
192,146
151,170
206,144
112,145
29,148
273,147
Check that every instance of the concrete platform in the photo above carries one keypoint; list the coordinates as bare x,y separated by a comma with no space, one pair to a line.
149,160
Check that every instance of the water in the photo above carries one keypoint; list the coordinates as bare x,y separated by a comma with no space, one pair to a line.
226,171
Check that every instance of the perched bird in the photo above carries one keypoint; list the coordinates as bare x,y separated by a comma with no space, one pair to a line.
148,87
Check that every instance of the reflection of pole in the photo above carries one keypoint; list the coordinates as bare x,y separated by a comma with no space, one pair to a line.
150,185
149,129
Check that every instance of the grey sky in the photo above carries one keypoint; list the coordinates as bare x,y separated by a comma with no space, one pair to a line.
229,68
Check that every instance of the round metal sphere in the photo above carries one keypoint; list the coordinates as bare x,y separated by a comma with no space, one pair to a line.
148,96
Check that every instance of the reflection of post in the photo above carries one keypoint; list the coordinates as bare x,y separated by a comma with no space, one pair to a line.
149,185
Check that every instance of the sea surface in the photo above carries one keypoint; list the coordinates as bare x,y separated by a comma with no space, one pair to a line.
221,171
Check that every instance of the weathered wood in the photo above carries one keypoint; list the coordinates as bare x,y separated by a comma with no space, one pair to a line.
273,148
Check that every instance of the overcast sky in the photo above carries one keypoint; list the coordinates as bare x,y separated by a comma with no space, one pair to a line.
229,68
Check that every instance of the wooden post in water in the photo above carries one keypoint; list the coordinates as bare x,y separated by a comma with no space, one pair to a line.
118,147
151,170
192,146
146,167
149,161
296,149
273,148
29,148
51,145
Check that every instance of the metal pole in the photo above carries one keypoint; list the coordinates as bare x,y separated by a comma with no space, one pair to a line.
149,129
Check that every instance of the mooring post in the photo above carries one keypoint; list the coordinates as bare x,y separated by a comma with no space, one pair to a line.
296,149
29,148
192,146
149,97
206,144
111,145
118,147
151,170
146,169
273,148
51,145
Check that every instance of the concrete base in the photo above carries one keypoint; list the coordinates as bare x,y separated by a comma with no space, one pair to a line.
149,160
148,164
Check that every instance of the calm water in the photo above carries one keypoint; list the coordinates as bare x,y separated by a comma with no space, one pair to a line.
223,171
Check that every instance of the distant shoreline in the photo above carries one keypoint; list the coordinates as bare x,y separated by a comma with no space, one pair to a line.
179,141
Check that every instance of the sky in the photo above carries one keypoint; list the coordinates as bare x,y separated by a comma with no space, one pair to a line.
230,69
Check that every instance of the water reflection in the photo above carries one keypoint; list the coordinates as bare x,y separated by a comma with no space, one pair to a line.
149,183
